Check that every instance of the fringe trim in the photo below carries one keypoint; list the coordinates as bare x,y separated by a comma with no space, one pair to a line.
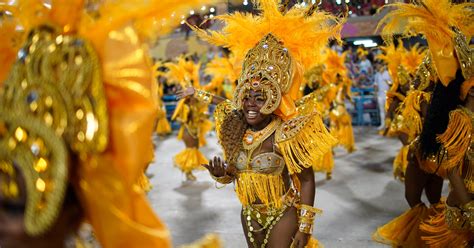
181,112
190,159
437,233
403,231
456,139
307,146
252,186
163,126
144,183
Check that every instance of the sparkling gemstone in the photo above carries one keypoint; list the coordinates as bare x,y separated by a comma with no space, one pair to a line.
35,149
265,46
22,53
249,138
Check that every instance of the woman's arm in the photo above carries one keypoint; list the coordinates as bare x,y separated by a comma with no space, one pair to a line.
459,190
308,189
201,95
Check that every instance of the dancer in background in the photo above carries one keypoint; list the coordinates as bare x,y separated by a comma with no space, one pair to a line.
443,147
163,126
192,115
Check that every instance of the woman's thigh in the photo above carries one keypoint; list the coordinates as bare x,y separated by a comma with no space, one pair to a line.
284,230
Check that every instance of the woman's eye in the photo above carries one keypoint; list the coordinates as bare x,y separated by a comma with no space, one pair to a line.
260,99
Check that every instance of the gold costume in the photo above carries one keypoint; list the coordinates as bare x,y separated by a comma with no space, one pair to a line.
340,120
191,114
279,45
78,110
440,22
163,126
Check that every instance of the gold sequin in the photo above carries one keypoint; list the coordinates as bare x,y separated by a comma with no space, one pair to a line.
20,134
40,185
41,165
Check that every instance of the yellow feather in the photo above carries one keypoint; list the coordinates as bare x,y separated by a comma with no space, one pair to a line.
303,37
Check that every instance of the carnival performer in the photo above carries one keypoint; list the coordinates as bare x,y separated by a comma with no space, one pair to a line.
444,145
340,119
76,117
269,148
191,114
392,56
163,126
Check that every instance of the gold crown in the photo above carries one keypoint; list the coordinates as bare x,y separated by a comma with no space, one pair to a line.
53,102
269,67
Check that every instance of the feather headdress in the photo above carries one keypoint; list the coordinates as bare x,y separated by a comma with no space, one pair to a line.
184,72
300,32
392,55
437,21
412,58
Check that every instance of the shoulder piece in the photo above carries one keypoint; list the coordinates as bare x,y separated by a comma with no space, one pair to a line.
303,140
457,137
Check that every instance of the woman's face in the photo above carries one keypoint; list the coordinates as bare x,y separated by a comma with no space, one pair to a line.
252,103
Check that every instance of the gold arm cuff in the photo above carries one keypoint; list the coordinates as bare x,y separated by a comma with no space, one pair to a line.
223,179
468,213
305,228
203,96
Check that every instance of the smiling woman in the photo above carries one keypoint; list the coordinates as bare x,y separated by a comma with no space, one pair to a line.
269,148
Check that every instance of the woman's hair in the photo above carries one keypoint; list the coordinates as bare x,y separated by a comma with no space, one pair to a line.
232,132
443,101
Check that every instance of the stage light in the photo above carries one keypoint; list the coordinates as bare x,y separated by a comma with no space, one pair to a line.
365,43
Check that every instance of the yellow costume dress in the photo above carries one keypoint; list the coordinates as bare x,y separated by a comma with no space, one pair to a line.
434,227
276,47
191,114
163,126
77,111
340,120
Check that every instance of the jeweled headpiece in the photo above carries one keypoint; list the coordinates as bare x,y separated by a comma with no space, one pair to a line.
56,104
267,67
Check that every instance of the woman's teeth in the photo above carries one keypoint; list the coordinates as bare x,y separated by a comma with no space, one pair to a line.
252,114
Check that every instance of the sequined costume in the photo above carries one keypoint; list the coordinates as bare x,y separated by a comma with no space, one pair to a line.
437,226
274,62
77,112
191,114
163,127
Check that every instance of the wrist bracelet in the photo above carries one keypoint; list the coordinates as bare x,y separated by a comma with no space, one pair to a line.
226,179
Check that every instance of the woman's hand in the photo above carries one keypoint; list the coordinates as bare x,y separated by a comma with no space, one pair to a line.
300,240
183,93
216,167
